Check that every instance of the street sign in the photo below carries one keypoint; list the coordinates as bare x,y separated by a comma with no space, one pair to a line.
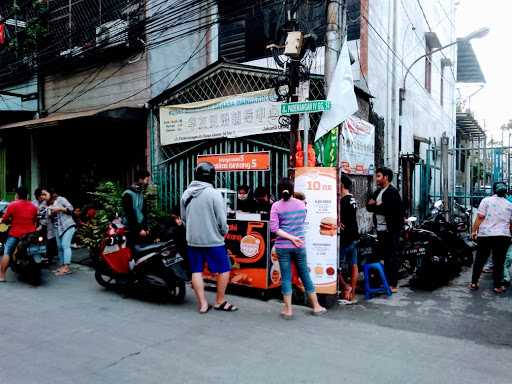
305,107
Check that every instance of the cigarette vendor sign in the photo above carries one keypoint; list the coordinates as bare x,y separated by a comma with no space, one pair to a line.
232,162
232,116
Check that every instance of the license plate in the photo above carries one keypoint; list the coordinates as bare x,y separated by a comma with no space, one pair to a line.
168,261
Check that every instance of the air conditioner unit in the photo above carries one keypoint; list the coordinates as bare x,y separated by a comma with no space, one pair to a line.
112,34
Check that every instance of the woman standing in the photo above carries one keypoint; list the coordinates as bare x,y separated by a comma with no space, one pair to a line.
63,226
287,222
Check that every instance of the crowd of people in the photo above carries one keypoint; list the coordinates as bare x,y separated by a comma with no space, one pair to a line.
201,222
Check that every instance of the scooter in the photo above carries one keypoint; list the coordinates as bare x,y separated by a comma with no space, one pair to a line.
154,271
29,258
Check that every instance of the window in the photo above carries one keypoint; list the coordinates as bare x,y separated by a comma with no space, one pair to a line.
428,69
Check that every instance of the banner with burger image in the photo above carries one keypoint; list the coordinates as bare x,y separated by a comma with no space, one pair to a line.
319,187
247,243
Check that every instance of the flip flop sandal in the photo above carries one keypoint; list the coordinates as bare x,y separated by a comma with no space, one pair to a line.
499,291
225,307
63,273
285,316
207,310
473,287
347,302
319,313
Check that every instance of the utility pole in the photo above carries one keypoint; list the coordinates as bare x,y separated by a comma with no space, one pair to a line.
333,39
445,171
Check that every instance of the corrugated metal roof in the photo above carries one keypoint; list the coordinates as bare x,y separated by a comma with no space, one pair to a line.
468,67
468,126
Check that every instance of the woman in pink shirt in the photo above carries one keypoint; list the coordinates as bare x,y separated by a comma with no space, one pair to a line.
287,218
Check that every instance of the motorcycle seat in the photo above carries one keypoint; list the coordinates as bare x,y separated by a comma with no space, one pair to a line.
142,250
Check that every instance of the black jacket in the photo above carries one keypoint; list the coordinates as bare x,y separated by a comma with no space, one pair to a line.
391,208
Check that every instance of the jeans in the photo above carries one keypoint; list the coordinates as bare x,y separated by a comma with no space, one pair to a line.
348,254
508,264
286,256
64,246
388,243
498,245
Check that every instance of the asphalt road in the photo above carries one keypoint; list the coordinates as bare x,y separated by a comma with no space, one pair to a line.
72,331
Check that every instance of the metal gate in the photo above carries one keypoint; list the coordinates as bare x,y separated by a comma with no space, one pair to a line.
173,165
463,176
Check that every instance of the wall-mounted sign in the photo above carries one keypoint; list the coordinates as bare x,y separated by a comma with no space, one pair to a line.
232,116
248,161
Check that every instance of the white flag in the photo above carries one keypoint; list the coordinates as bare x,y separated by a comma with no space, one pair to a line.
341,95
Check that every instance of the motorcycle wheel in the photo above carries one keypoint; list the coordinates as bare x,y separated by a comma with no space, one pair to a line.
104,279
32,276
177,294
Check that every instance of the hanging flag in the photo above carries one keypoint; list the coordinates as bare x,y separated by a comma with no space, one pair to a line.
341,95
327,149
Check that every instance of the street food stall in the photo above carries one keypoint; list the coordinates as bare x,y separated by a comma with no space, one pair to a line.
249,241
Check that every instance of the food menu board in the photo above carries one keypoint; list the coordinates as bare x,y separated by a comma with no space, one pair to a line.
319,187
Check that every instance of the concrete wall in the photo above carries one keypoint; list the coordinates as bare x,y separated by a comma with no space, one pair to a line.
388,58
117,83
176,60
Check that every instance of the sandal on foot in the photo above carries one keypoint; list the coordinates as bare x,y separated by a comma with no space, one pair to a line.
473,287
63,273
286,316
321,312
499,291
208,308
225,307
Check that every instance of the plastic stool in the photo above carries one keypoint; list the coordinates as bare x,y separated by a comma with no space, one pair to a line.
368,291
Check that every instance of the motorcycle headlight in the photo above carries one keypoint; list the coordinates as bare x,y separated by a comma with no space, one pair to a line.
40,239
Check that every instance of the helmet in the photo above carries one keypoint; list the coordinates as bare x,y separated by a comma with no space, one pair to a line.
205,172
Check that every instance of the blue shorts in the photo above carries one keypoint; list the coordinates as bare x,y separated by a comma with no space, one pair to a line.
216,258
348,253
10,245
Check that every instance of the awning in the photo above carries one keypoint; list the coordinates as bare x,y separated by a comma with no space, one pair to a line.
468,127
117,113
468,67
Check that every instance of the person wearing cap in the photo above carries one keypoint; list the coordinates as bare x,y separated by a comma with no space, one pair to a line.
203,211
491,231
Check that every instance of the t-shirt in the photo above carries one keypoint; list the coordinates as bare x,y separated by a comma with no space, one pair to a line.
382,226
23,216
348,217
288,216
497,213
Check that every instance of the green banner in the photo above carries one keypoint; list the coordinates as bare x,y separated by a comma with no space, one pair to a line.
326,149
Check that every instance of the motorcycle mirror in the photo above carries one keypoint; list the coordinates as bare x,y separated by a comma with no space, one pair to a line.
412,219
438,204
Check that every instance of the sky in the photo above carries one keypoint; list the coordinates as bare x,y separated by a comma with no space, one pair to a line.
491,106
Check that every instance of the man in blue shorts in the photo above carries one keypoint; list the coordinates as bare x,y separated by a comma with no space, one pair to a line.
204,213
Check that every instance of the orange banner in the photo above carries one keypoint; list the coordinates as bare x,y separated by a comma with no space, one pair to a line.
249,161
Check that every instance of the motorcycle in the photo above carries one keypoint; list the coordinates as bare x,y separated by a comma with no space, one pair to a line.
29,257
155,271
453,232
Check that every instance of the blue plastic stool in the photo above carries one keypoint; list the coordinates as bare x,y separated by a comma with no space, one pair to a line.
368,291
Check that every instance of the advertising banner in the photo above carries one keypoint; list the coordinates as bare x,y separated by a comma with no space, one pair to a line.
357,147
248,161
319,186
247,243
232,116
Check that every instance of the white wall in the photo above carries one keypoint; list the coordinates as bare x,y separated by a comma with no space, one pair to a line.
423,115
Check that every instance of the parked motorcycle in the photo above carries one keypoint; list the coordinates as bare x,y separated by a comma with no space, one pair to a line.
29,257
154,271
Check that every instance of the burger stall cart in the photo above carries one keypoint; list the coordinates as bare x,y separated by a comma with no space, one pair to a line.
249,241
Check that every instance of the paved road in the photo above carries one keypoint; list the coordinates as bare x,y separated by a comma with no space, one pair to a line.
72,331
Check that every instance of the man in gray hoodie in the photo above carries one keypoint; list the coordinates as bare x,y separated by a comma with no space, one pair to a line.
204,212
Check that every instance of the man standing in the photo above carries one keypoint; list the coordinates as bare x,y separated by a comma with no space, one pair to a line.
388,218
204,212
22,215
349,236
134,209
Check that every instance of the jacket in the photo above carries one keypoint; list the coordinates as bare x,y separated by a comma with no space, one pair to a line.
134,209
204,213
391,208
